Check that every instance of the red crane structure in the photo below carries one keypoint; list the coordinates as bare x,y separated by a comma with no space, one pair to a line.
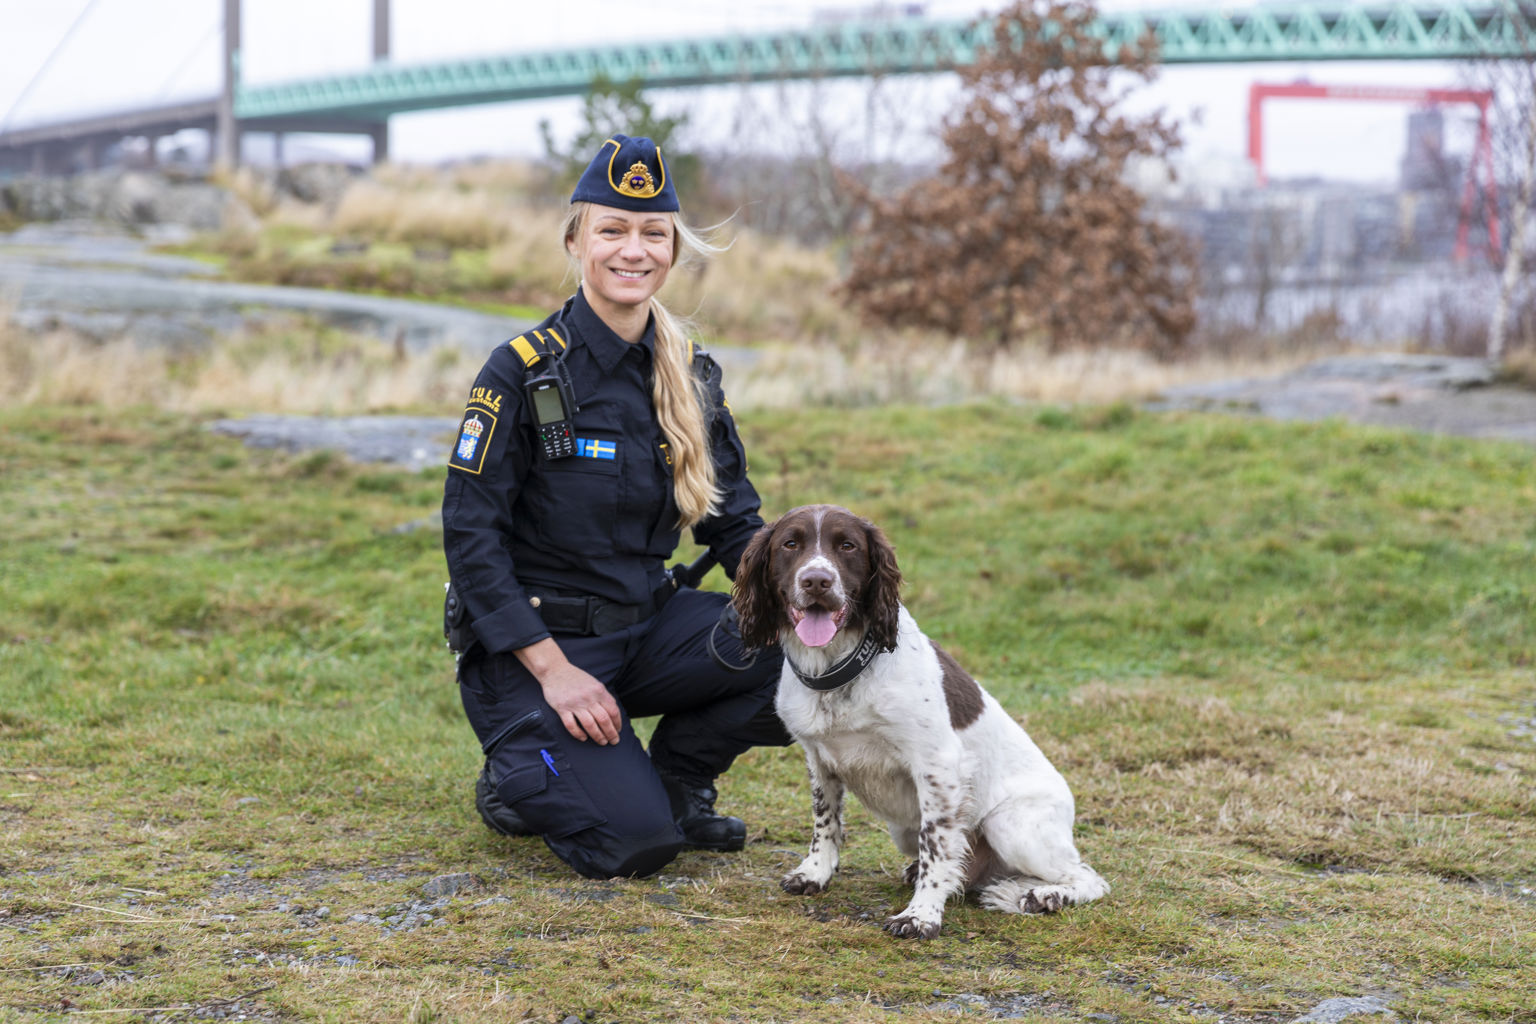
1482,154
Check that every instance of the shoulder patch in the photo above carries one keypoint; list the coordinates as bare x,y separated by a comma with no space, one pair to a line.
475,432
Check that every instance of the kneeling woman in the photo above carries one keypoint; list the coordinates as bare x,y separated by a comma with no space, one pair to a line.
559,513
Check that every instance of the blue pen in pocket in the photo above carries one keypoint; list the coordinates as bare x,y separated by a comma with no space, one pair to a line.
549,761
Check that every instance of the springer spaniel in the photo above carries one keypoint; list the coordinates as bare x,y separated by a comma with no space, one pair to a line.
881,709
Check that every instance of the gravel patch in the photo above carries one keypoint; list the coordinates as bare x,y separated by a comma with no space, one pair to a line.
108,286
410,442
1332,1011
1434,394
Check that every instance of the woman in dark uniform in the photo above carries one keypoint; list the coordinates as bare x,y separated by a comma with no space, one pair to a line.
558,516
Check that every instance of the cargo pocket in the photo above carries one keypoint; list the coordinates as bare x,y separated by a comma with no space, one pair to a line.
533,776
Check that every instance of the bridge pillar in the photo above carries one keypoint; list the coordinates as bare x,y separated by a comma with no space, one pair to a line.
380,30
380,132
380,135
96,152
228,133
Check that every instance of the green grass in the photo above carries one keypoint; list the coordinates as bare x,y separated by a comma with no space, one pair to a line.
1278,664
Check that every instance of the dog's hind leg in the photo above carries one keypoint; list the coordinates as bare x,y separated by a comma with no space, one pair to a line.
906,842
1032,841
815,872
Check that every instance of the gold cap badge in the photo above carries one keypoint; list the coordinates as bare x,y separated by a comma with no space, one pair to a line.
637,182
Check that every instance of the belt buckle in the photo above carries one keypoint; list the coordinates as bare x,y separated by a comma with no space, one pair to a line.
593,606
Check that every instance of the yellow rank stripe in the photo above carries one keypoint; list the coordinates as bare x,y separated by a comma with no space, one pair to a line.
530,355
524,350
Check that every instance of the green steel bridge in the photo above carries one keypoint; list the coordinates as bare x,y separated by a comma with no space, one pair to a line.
363,101
1443,30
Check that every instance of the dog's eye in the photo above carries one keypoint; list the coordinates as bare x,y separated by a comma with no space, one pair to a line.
848,545
791,545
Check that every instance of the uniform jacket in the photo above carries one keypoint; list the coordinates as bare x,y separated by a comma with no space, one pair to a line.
599,523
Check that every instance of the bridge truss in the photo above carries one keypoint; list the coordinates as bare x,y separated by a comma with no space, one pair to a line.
1437,30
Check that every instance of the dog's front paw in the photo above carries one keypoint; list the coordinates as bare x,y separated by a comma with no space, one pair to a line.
800,885
910,926
1043,901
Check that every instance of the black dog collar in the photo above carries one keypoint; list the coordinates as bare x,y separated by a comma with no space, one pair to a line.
843,672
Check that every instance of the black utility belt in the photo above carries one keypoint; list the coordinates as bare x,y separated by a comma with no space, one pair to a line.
593,616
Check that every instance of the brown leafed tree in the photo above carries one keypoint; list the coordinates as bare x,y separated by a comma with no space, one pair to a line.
1031,228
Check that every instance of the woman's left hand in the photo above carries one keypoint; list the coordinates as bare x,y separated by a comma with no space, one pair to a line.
586,708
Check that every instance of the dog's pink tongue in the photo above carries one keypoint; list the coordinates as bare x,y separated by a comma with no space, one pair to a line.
817,628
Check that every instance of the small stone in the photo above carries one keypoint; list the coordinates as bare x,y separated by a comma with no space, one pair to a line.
1332,1011
450,885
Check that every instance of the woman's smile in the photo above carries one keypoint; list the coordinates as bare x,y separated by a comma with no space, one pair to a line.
624,259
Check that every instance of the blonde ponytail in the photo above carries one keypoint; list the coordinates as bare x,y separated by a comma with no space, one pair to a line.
680,397
681,401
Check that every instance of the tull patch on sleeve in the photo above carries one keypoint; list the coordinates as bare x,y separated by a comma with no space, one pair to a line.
475,433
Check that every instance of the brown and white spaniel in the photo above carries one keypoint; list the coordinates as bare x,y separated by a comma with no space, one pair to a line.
882,710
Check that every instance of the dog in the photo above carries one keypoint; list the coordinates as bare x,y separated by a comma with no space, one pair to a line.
881,709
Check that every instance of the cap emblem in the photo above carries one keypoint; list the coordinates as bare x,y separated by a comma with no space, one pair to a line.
638,182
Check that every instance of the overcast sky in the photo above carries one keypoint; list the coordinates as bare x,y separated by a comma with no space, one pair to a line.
125,53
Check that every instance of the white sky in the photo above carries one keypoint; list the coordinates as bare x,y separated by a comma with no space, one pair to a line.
127,53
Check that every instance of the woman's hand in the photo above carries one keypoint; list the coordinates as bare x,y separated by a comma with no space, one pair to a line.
586,708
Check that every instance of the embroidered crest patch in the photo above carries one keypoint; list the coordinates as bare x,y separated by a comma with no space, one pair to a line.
475,433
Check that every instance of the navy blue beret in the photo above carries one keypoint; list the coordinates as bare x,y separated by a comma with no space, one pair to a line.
629,174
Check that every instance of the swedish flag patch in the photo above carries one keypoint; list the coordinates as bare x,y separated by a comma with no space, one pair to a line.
590,448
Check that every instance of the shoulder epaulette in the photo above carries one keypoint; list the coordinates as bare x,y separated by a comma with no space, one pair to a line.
536,346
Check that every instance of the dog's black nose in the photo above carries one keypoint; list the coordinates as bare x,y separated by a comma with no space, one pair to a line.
816,581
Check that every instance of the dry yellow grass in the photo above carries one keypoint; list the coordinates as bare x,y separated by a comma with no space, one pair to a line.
292,368
298,367
931,369
468,219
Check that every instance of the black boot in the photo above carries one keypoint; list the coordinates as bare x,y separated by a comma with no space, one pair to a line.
693,808
498,817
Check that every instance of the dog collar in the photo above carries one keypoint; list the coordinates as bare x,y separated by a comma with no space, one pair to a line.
843,672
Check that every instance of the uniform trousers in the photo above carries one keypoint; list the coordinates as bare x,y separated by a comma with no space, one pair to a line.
603,809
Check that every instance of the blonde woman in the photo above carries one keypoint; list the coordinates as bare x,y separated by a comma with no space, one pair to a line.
587,446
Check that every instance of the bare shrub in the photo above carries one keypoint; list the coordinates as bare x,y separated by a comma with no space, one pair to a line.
1031,228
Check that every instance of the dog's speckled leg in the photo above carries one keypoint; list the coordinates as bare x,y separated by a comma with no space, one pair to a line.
815,872
941,852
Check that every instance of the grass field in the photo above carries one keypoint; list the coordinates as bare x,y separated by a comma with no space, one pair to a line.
1289,671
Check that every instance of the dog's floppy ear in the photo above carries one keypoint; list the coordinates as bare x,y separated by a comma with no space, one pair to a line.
755,597
883,599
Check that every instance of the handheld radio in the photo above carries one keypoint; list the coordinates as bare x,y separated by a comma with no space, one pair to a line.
550,398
